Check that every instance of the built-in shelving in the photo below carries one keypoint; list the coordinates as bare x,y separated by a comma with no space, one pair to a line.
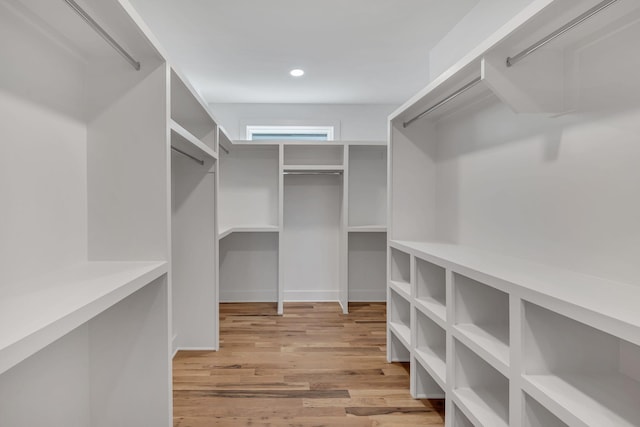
399,317
426,385
248,229
537,288
367,229
186,142
430,348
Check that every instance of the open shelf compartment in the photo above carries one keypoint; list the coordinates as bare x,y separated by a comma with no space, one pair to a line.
481,390
430,347
399,312
582,375
400,270
536,415
482,320
460,419
424,386
313,155
398,351
431,289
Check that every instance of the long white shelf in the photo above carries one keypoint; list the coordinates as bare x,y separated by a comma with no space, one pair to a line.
485,406
327,168
488,342
184,140
402,332
225,231
36,313
434,362
614,304
592,400
367,229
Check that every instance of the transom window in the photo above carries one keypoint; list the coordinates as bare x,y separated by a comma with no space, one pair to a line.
309,133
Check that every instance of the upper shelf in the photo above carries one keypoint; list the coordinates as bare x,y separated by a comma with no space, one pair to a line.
36,313
543,284
185,141
541,43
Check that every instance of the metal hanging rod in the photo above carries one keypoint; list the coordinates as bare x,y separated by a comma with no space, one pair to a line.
195,159
312,172
512,60
98,29
440,103
222,148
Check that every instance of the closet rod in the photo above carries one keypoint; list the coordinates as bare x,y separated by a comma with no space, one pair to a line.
512,60
312,172
98,29
195,159
223,149
440,103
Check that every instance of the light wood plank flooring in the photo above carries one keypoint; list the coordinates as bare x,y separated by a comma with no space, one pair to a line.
313,366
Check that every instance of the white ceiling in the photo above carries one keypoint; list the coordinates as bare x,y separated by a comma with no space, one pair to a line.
353,51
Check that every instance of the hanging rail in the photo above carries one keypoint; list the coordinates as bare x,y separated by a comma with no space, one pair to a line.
195,159
512,60
98,29
440,103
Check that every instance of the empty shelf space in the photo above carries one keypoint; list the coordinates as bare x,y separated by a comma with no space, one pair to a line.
487,342
36,313
484,405
397,347
425,384
431,288
313,168
401,331
460,419
367,229
536,415
399,314
617,301
314,155
479,389
591,400
400,268
404,289
430,347
185,141
583,375
482,320
225,231
432,308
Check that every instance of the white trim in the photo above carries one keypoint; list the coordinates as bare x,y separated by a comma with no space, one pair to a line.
363,295
310,296
248,296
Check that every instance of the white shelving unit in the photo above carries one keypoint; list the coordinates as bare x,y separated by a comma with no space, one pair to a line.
508,203
285,207
84,254
194,243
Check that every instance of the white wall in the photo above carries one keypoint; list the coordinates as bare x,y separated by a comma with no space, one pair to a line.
353,122
482,21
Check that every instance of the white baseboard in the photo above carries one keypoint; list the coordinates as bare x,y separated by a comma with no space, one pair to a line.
310,296
364,295
248,296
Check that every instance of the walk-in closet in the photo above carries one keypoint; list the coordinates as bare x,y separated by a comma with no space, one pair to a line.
347,214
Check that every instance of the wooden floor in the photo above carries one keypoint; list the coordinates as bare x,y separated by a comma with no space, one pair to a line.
313,366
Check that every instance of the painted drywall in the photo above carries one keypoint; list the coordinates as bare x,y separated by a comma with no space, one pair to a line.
482,21
351,121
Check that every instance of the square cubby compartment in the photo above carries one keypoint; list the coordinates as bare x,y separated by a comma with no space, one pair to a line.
536,415
581,374
460,419
431,346
424,385
399,312
400,270
398,351
431,289
482,320
480,389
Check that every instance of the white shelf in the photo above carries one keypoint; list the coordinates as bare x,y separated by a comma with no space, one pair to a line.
433,309
434,363
225,231
184,140
403,289
312,168
543,284
36,313
588,400
402,332
484,406
488,342
367,229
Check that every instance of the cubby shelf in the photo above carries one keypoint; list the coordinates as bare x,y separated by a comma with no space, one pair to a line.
487,342
185,141
36,313
536,415
225,231
434,363
367,229
403,289
402,332
313,168
436,311
483,405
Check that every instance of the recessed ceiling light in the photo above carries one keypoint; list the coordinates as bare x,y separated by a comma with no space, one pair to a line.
297,72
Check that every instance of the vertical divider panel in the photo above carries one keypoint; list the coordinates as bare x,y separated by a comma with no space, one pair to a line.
343,285
450,348
516,399
280,229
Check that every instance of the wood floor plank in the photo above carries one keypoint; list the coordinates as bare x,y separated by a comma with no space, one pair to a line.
314,366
